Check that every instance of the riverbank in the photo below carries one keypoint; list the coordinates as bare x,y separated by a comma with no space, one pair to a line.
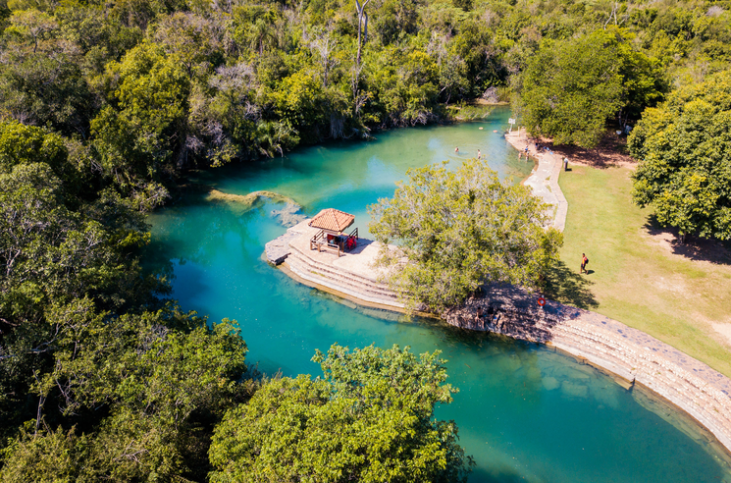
678,295
631,355
640,274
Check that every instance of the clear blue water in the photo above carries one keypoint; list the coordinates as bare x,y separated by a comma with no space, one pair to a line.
525,413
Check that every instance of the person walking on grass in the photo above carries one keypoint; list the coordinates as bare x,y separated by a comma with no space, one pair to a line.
584,263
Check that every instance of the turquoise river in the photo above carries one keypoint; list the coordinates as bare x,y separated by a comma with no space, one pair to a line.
525,412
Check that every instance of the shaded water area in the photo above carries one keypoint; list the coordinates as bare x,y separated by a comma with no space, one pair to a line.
525,413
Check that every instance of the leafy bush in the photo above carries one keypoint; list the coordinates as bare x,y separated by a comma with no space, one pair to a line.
684,148
458,230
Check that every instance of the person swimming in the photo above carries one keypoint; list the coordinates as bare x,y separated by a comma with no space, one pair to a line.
479,154
456,150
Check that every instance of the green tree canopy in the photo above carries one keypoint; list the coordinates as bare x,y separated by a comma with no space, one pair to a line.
21,144
142,129
158,380
49,253
370,419
684,148
42,81
570,88
458,230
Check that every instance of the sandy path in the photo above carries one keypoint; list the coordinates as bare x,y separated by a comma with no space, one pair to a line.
544,178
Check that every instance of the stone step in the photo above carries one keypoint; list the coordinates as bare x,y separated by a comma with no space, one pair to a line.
342,275
325,282
344,272
341,271
336,279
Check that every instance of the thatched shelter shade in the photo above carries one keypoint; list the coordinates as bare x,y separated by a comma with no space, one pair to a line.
332,220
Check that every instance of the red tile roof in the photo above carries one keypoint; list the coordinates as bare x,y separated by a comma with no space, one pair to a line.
331,219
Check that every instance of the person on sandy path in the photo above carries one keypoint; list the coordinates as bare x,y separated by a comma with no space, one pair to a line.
584,262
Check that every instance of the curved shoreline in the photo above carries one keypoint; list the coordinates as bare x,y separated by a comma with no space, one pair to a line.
632,356
636,357
628,353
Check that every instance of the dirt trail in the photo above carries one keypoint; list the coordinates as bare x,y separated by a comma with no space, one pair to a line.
544,178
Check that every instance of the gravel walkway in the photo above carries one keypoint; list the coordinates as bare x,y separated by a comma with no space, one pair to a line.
544,178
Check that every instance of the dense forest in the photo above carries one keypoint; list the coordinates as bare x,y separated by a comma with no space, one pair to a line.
104,107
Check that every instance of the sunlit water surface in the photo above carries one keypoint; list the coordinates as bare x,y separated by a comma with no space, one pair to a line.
525,413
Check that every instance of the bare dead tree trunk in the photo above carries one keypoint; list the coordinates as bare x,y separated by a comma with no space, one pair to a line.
39,415
323,45
360,10
613,13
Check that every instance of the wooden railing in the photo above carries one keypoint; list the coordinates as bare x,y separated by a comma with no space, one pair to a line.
316,240
319,240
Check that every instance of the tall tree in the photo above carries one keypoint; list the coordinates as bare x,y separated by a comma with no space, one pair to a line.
684,148
458,230
570,88
370,419
362,16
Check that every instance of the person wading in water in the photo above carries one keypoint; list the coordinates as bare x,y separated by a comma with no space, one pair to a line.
584,262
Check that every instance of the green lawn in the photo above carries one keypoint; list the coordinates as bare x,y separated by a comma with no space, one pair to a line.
635,277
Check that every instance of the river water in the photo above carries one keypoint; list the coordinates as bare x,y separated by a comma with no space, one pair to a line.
525,413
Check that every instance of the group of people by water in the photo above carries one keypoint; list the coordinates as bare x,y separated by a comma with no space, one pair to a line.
538,146
520,153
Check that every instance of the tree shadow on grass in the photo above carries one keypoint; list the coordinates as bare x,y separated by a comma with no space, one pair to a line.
567,286
694,248
610,152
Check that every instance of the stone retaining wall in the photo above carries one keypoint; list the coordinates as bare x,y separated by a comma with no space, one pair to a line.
632,355
636,357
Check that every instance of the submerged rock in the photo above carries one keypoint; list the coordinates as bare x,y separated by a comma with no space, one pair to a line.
288,216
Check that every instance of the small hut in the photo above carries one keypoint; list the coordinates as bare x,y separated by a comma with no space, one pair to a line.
331,224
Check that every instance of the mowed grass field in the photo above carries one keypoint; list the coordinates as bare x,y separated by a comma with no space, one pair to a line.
638,275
